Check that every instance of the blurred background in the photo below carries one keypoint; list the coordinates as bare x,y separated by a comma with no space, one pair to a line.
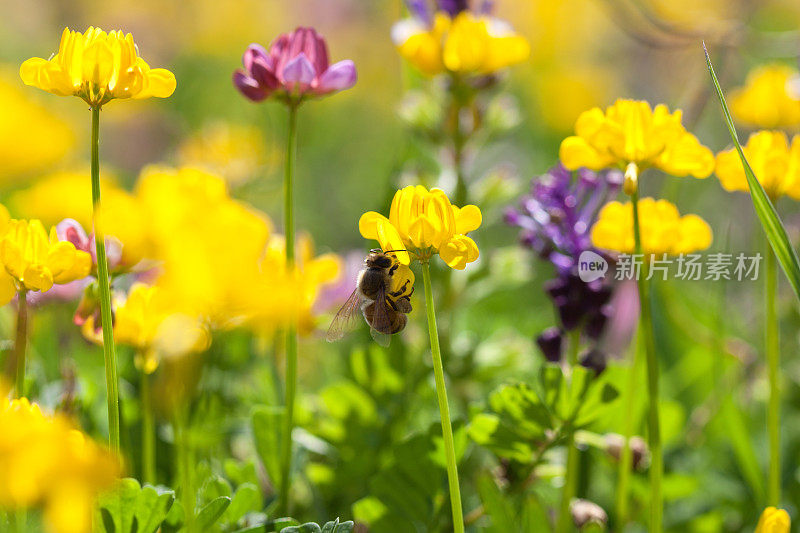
355,149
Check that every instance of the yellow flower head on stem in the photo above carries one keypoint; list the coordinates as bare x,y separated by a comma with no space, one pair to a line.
424,223
631,132
774,521
774,161
97,67
465,44
36,261
770,98
663,229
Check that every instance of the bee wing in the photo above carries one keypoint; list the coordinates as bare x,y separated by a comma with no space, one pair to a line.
384,339
347,318
381,322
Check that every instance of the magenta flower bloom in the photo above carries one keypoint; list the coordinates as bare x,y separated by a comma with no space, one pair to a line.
71,231
295,67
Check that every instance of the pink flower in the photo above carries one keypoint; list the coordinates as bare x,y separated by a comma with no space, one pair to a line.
295,67
71,231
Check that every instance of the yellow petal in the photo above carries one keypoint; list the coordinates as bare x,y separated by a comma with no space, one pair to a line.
158,82
575,153
468,218
459,251
390,241
37,278
368,224
11,257
686,156
7,287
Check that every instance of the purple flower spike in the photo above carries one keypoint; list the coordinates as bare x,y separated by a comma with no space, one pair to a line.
295,67
453,7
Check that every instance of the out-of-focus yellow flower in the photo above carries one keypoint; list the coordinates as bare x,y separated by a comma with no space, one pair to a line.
97,67
425,223
775,163
233,151
662,229
770,98
774,521
147,322
32,138
36,261
46,462
631,135
465,44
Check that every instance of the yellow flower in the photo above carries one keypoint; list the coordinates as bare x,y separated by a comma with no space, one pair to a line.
662,229
775,163
466,44
632,136
46,462
97,67
774,521
425,223
145,321
770,98
36,262
32,138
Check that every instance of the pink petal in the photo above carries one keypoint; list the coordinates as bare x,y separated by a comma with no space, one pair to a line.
253,52
249,87
299,71
71,231
338,77
262,72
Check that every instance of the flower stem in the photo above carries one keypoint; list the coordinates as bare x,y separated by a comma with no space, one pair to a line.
654,430
291,331
109,354
573,463
625,457
21,342
148,431
444,409
773,367
188,496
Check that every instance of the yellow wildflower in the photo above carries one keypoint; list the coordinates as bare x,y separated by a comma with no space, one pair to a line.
36,262
630,135
775,163
465,44
145,321
32,139
425,223
770,97
662,229
774,521
97,67
46,462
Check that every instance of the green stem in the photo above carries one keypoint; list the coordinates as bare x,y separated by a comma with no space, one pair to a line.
148,431
573,455
291,331
188,496
444,409
21,342
109,354
625,458
654,431
459,141
773,368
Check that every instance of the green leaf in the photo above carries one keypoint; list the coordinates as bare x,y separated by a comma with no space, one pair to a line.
267,424
331,527
246,499
131,508
212,512
773,227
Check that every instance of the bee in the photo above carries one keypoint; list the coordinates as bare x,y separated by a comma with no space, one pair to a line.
383,309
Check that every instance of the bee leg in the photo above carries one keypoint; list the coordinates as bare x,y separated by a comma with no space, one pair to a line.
401,290
403,305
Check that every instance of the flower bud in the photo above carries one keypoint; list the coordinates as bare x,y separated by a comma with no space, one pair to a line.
631,183
586,514
639,452
550,342
594,359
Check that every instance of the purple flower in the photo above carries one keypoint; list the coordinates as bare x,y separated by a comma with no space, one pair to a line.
295,67
421,9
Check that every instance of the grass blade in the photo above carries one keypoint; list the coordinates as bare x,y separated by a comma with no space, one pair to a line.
774,229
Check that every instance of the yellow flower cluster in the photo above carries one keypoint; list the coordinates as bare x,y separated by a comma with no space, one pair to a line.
770,98
46,462
662,229
33,260
774,521
631,132
97,67
32,139
424,223
466,44
774,161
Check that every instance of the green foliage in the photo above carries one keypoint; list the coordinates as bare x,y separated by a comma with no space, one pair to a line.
330,527
130,508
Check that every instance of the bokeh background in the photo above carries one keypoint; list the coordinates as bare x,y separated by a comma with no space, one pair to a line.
355,150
